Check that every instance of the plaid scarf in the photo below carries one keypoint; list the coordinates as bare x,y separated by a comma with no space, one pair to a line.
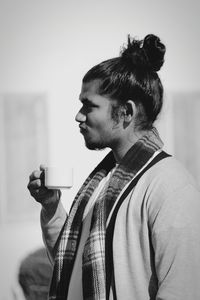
93,259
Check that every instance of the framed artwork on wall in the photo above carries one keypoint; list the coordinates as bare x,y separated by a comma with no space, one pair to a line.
23,146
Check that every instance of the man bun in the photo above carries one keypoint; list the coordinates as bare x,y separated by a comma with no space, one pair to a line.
147,54
133,75
155,51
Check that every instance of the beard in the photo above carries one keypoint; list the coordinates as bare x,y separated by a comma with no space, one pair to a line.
95,146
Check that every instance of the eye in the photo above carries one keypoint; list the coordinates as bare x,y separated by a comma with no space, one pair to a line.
88,106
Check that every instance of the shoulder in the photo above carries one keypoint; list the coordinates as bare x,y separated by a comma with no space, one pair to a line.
170,194
169,174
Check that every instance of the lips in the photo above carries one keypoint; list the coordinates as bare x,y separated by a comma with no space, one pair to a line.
82,128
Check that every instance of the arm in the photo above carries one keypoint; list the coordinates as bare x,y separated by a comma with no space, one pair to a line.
53,214
176,243
51,227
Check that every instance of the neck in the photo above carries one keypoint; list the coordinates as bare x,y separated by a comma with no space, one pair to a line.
122,146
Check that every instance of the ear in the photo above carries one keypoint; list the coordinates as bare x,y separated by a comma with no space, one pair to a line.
130,111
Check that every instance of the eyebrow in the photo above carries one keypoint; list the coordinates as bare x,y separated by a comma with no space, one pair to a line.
85,100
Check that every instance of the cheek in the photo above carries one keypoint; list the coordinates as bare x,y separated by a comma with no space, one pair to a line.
95,119
100,121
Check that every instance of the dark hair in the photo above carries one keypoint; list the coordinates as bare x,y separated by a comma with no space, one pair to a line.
133,76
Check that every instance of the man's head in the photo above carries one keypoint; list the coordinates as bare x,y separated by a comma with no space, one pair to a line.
97,124
131,82
133,76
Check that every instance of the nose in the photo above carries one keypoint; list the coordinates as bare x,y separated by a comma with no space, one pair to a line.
80,117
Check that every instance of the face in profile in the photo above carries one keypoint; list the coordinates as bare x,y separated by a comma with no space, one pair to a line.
96,124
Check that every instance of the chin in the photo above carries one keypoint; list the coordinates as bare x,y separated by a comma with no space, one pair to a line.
94,146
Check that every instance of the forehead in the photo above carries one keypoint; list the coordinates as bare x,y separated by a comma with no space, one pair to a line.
90,93
90,88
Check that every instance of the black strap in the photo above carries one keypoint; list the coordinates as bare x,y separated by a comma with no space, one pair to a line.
110,229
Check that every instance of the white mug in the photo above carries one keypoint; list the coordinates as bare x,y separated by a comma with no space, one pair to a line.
58,178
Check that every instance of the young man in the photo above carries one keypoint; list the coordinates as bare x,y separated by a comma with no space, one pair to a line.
133,231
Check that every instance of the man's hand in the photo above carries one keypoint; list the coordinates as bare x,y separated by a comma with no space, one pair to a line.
46,197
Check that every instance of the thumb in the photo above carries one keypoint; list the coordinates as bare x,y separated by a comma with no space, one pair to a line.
42,176
42,167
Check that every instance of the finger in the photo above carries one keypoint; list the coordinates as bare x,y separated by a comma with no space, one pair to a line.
42,167
41,194
34,192
35,184
35,175
42,176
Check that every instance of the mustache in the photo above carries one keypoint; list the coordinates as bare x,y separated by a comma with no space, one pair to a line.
82,126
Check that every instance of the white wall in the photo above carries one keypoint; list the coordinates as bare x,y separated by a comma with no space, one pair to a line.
47,46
